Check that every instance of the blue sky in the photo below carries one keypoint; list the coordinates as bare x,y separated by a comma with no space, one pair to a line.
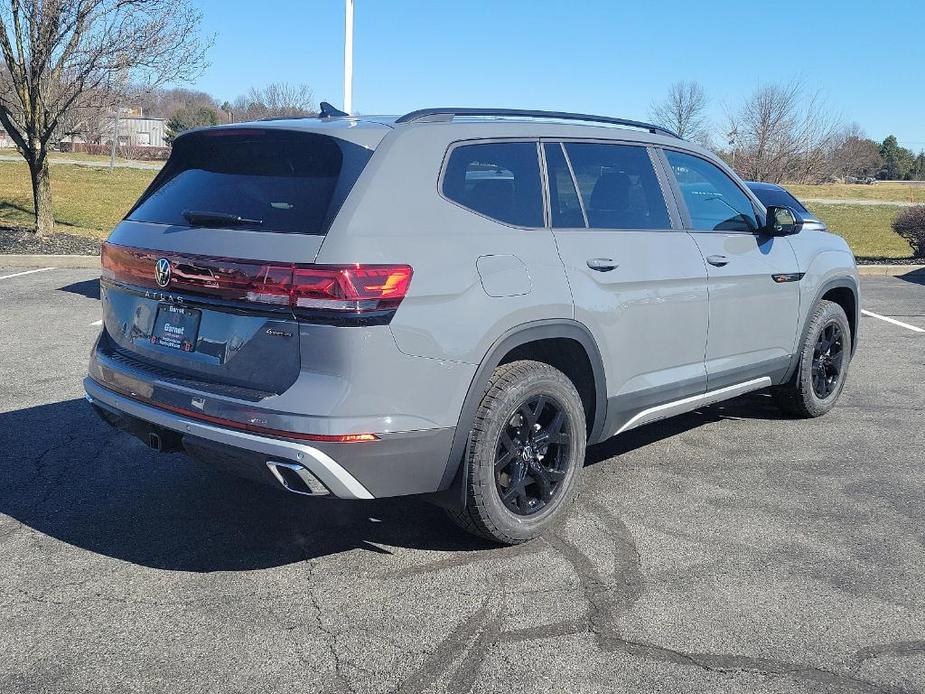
599,56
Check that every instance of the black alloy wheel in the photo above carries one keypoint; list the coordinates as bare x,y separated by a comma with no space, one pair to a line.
532,455
828,356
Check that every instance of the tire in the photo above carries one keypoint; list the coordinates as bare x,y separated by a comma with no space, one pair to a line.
820,374
531,424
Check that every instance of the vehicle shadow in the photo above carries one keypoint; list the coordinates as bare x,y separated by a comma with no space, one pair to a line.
87,288
70,476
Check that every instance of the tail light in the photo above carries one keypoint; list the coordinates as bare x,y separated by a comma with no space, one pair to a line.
355,288
332,290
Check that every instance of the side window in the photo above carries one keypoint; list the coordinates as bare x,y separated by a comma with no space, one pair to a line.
618,186
563,198
714,201
497,179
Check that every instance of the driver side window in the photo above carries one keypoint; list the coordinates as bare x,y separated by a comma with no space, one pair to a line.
714,201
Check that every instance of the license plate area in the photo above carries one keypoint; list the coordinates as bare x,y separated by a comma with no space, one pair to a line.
176,327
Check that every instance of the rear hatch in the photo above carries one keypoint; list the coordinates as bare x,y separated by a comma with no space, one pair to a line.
197,281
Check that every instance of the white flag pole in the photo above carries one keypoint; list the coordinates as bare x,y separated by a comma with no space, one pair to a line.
348,58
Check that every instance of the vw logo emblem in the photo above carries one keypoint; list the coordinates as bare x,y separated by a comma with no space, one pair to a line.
162,272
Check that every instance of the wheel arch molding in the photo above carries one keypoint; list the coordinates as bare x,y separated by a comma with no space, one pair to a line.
541,331
835,283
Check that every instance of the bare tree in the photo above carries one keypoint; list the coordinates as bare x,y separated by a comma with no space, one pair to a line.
783,133
163,103
683,111
854,155
58,51
276,100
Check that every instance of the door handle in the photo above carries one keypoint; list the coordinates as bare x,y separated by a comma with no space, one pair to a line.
717,260
602,264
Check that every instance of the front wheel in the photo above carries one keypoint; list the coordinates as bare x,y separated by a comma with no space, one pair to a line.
824,357
525,454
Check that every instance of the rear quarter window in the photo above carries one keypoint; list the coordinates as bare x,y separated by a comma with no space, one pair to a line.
281,181
500,180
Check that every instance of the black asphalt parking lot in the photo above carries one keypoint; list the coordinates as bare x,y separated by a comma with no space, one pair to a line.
728,550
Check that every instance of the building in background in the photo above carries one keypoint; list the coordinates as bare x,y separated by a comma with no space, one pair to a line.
139,137
138,131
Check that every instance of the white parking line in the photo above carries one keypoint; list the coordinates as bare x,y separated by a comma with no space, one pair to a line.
893,321
27,272
97,322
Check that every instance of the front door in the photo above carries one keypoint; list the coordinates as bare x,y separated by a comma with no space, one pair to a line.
752,277
638,283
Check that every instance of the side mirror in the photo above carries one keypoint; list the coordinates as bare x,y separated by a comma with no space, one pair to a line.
782,221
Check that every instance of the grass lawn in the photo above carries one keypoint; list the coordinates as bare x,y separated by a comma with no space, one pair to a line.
87,201
895,192
866,228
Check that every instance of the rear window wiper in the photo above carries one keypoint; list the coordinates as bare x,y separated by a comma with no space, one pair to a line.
208,219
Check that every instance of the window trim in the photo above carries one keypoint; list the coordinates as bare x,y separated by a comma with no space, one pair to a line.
668,193
540,162
682,203
544,180
552,143
674,218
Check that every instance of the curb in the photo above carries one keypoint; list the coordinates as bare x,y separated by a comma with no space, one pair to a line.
888,270
56,261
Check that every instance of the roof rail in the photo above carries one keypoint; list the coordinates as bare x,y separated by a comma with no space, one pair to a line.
431,115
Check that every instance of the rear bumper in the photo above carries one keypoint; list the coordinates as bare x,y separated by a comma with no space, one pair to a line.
394,465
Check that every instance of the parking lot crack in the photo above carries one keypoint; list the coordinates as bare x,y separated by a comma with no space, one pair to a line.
606,597
462,638
343,681
895,648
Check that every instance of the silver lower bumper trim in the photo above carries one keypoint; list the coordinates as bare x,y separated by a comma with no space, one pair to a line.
341,483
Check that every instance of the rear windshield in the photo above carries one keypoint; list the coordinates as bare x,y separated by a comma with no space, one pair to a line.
272,180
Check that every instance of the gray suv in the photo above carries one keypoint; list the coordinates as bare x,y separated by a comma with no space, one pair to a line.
454,303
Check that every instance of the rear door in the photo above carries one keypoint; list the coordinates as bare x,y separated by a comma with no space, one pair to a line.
753,278
195,279
638,283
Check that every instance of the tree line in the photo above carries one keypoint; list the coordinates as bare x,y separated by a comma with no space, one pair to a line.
185,109
783,132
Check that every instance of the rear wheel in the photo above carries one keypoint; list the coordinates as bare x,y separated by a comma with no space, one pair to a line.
524,455
824,357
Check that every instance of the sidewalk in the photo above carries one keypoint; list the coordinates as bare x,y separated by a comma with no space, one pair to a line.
101,164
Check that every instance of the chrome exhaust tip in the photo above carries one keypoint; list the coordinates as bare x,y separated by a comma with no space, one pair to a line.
297,479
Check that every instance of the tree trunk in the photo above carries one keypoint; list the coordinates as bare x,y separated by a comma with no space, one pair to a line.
41,195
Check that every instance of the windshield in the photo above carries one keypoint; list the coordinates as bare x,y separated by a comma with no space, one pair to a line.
777,196
253,178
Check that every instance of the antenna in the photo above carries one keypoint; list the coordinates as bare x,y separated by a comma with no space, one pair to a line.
329,111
